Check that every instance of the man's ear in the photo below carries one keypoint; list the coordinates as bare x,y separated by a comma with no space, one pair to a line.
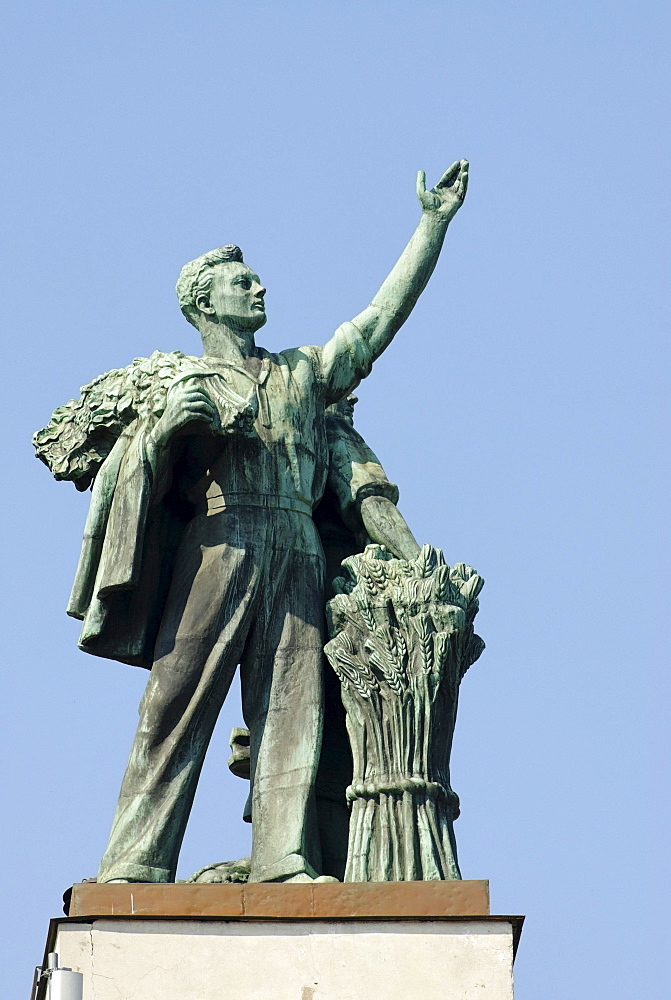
203,304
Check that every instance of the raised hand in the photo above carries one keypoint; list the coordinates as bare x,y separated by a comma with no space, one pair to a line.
446,198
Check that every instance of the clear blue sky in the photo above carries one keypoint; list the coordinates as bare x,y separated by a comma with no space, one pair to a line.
520,409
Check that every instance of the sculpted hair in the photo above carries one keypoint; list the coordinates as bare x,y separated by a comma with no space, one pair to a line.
196,277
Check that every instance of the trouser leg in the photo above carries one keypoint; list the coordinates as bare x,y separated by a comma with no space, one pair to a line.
202,636
283,707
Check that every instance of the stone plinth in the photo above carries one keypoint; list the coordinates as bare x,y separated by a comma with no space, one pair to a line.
272,900
392,941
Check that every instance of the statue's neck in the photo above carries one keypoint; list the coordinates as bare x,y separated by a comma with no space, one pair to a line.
220,341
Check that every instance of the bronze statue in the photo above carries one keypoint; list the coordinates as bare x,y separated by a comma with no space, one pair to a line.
201,551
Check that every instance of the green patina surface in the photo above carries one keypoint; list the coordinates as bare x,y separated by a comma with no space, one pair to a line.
226,490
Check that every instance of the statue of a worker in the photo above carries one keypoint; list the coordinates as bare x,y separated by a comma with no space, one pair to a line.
201,553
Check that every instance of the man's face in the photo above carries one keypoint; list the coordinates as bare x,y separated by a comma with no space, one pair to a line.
236,297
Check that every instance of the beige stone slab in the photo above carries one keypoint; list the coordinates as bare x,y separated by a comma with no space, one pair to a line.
268,900
170,959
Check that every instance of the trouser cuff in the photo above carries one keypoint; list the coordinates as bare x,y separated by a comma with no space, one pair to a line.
134,873
292,864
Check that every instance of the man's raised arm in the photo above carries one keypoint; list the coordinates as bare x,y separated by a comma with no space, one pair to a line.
396,298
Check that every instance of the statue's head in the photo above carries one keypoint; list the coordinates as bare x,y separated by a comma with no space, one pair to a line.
220,288
344,408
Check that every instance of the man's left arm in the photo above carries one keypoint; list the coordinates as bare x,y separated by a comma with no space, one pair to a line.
359,343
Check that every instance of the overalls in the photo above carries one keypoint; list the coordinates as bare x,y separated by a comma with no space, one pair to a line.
247,589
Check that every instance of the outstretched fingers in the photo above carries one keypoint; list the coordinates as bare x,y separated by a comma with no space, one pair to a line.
450,175
448,193
462,182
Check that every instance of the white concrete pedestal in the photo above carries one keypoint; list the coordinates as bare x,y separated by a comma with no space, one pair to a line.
425,956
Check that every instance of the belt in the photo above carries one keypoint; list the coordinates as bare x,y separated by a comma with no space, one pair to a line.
270,501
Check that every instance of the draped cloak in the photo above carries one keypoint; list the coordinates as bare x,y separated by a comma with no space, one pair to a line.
134,527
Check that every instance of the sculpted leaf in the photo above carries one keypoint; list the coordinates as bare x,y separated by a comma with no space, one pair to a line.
472,587
82,432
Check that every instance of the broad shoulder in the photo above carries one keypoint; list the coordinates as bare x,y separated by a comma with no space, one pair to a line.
299,360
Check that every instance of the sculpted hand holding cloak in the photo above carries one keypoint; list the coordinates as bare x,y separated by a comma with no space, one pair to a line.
201,552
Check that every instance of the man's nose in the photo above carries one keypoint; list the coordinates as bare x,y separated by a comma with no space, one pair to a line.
259,290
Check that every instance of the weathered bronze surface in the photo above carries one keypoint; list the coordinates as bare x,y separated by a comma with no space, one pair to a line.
402,639
226,490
